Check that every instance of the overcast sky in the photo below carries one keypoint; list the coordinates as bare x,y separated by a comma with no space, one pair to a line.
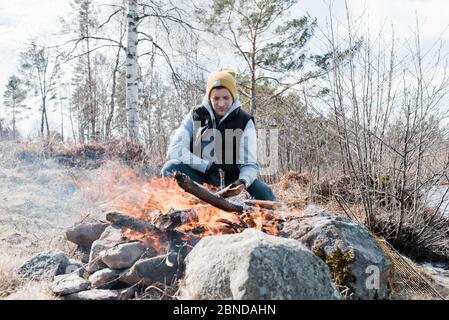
20,20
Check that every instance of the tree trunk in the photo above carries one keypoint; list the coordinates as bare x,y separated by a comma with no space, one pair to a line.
46,119
132,72
253,80
90,101
71,124
14,120
112,102
42,117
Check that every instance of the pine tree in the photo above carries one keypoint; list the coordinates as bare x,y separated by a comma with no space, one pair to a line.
13,97
271,45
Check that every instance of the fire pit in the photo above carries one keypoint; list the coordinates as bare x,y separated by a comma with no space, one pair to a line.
147,244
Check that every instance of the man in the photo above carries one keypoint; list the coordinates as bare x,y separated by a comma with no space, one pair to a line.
218,135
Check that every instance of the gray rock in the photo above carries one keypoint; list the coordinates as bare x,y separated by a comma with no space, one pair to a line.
76,267
83,254
162,269
85,234
126,294
44,266
112,233
95,262
123,255
330,235
111,236
104,279
254,265
68,283
94,294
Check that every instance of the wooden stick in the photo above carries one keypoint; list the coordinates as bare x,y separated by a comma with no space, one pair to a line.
198,191
271,205
134,224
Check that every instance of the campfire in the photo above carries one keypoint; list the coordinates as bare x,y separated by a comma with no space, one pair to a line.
152,228
178,212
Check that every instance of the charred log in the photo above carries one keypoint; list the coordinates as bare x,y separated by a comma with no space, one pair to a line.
178,241
174,219
198,191
134,224
237,227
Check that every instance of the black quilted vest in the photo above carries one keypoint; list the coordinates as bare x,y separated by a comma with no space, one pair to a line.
226,152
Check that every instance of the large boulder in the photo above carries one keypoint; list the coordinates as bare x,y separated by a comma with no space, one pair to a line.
357,262
45,265
85,234
254,265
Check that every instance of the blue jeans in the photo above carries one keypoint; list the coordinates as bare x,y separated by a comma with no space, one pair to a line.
258,190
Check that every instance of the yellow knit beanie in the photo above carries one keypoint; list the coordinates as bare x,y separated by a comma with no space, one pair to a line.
223,77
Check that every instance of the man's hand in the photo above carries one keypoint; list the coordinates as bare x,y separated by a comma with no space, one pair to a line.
237,183
233,189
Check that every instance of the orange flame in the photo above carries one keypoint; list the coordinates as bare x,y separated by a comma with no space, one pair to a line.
120,189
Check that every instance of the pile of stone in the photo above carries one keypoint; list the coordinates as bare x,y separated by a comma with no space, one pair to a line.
315,256
115,267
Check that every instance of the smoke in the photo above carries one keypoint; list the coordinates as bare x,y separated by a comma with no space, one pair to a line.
39,195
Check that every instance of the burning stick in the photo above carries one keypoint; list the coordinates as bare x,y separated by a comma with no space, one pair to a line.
232,225
174,218
132,223
211,198
175,238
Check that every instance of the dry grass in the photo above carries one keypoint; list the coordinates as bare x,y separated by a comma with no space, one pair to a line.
292,190
159,291
10,280
32,290
88,156
12,286
297,190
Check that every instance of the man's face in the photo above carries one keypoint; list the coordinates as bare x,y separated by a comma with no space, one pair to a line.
221,100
